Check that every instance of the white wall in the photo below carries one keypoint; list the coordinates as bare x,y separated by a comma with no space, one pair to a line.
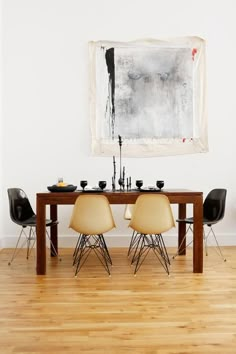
46,132
1,133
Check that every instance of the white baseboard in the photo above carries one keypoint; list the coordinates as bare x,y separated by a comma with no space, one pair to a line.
67,241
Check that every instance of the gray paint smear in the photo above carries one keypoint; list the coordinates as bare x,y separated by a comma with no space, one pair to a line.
153,95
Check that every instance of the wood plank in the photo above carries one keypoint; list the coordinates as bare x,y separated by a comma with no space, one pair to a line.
94,313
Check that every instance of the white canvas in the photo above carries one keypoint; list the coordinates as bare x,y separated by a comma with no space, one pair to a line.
152,93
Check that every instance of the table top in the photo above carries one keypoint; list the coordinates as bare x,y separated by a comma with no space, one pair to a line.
133,191
120,197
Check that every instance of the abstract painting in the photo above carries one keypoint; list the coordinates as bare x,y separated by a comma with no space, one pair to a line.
152,93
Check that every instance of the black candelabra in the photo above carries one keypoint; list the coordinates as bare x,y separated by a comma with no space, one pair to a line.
114,174
121,180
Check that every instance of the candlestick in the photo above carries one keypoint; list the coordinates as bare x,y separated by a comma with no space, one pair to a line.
120,144
113,184
120,140
114,165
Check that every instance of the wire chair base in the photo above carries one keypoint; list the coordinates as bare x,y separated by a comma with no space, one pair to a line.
205,239
85,245
144,244
30,240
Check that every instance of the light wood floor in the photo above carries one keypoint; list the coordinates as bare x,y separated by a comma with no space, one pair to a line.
150,313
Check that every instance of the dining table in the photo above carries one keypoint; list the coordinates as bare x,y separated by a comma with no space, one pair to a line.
181,197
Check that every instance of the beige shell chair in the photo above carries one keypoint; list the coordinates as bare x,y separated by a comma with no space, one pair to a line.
91,218
151,217
129,209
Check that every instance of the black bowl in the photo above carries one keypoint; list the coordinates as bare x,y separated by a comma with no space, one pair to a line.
68,188
139,183
83,184
102,184
160,184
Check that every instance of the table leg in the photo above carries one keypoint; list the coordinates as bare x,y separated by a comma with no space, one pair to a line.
53,230
198,236
41,238
182,230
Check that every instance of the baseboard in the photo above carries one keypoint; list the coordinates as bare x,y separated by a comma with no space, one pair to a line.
68,241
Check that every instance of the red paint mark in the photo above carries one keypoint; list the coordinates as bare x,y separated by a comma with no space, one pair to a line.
194,52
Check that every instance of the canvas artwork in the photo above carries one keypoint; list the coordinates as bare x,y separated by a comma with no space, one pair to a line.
152,93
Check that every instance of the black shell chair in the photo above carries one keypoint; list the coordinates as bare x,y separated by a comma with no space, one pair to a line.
213,212
22,214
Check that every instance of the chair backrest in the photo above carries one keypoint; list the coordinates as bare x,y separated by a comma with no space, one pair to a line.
214,205
20,208
92,215
129,209
152,214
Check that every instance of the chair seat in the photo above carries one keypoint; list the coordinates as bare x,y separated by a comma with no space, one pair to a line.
33,220
191,221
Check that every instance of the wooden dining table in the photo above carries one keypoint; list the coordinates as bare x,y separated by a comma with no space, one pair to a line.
182,197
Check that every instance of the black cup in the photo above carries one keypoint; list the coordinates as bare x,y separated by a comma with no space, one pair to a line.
83,184
160,184
139,183
102,184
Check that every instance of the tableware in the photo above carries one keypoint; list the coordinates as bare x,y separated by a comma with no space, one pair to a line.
102,184
83,184
139,183
93,190
160,184
56,188
152,190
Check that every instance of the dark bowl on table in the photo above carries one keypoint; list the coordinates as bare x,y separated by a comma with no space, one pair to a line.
139,183
102,184
160,184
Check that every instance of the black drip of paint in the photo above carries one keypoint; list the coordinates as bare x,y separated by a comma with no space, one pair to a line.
109,56
111,71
